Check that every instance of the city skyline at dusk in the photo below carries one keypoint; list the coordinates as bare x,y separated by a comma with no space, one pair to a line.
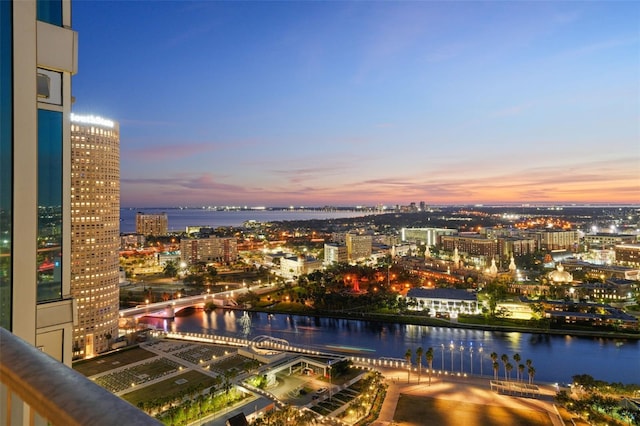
345,103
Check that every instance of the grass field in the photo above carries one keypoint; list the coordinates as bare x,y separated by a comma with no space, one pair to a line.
168,387
422,411
109,362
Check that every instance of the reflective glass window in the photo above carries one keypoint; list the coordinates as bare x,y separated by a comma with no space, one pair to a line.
6,154
49,255
50,11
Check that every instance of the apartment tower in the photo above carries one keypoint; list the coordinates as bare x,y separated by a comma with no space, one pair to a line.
95,232
38,56
152,224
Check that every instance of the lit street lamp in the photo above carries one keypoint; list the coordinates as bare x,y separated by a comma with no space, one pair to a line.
451,346
329,366
480,350
471,358
461,357
442,346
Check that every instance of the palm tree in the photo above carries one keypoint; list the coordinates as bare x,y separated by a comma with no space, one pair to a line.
496,366
227,384
516,358
494,357
507,369
307,417
505,359
528,363
170,269
532,373
217,381
429,356
419,353
521,371
407,356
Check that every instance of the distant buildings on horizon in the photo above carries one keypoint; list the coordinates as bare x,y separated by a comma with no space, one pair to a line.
408,208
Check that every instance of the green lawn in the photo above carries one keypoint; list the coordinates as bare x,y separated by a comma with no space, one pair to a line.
420,411
104,363
169,387
238,362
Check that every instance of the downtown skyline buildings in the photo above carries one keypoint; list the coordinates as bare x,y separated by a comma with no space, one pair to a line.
356,103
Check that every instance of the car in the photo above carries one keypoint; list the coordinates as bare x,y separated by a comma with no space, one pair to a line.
321,391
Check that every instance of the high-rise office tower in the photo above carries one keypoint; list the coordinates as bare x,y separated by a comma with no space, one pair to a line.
38,53
95,232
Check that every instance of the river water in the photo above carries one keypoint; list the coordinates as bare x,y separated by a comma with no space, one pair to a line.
555,358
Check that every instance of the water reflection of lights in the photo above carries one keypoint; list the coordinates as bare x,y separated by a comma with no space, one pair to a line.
245,322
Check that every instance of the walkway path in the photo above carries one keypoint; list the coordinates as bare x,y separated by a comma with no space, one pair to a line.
472,390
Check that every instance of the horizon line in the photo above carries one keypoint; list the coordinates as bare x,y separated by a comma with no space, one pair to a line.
384,206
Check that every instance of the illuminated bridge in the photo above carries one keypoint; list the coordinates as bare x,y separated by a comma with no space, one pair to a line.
169,308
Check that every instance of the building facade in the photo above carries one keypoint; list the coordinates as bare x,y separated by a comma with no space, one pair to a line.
132,241
515,246
39,56
428,236
628,255
470,245
152,224
443,300
95,232
613,290
335,253
358,246
556,240
292,267
604,240
208,250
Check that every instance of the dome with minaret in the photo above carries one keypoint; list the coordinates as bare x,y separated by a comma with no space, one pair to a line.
560,275
492,271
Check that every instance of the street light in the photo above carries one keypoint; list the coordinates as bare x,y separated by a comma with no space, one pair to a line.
471,357
451,346
442,347
461,357
480,350
329,366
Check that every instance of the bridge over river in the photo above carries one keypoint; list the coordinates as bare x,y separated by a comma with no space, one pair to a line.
169,309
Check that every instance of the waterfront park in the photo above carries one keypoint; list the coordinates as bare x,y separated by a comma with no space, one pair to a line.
183,379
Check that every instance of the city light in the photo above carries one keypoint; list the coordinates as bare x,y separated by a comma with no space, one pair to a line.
92,119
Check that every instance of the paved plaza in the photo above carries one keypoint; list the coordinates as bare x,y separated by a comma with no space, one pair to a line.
449,400
462,400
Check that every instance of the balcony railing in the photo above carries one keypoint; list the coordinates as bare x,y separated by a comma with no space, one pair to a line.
36,389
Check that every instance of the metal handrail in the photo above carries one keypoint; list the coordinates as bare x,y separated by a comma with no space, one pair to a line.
58,393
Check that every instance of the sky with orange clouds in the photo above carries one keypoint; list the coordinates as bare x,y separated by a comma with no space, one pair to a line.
363,103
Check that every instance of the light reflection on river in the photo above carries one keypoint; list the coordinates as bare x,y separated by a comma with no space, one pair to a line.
555,358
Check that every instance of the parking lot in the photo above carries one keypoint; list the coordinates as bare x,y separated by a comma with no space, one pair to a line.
299,388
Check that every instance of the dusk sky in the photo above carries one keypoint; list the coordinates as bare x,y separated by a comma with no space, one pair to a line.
346,103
